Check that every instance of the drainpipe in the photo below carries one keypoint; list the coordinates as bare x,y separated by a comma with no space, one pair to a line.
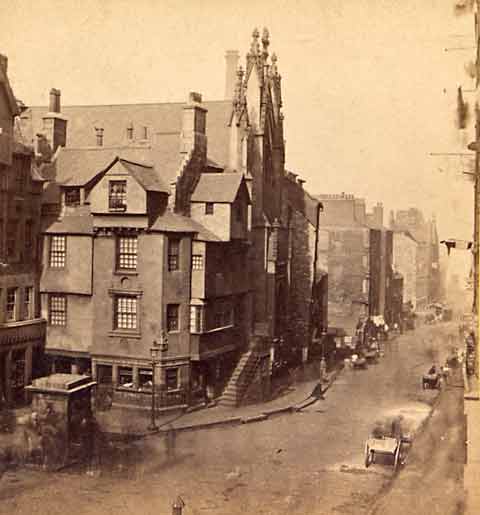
314,278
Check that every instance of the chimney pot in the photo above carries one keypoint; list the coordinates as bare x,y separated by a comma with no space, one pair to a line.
194,98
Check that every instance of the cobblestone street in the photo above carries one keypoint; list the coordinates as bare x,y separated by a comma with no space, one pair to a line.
308,462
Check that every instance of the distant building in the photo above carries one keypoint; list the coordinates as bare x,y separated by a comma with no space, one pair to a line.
344,247
427,269
22,330
405,262
358,252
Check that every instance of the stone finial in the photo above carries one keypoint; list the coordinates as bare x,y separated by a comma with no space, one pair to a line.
239,88
255,46
273,67
265,40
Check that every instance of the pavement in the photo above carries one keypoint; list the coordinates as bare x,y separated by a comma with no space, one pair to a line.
309,462
472,465
135,423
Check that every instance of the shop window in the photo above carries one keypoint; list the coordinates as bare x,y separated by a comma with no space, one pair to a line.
10,311
172,317
127,252
196,319
125,377
171,378
117,195
197,262
173,254
145,378
209,208
58,251
58,310
72,197
126,312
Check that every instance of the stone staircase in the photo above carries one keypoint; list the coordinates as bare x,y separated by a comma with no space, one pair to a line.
241,378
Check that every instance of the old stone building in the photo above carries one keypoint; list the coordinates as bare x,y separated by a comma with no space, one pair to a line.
307,271
358,251
344,247
22,330
171,220
405,262
427,266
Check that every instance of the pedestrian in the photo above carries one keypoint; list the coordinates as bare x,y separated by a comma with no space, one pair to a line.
397,431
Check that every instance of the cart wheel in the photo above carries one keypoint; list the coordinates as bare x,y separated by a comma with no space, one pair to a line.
396,458
369,457
424,385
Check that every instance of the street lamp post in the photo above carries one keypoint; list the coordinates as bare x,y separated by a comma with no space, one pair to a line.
154,352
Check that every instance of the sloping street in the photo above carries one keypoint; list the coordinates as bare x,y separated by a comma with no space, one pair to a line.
308,462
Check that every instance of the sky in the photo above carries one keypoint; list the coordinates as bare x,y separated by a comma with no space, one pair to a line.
369,88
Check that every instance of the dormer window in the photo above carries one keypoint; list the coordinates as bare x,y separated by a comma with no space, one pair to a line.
209,208
72,197
117,195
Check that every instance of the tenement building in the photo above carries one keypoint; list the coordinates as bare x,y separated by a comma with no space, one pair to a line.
358,254
22,331
165,224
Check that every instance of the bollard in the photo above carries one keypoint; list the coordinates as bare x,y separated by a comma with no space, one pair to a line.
178,506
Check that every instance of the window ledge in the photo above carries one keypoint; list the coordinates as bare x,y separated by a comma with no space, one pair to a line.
125,272
218,329
21,323
124,334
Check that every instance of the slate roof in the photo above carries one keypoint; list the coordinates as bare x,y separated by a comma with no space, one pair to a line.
77,166
217,187
172,222
8,92
161,119
71,224
146,176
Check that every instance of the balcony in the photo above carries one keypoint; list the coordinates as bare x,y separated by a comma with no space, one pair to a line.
12,333
5,149
214,342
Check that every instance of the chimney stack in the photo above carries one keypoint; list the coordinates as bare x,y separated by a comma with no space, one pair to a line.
4,63
194,124
378,214
54,124
99,134
54,104
231,60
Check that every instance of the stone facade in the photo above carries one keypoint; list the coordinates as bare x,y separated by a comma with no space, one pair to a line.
238,276
22,331
307,274
405,262
427,265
